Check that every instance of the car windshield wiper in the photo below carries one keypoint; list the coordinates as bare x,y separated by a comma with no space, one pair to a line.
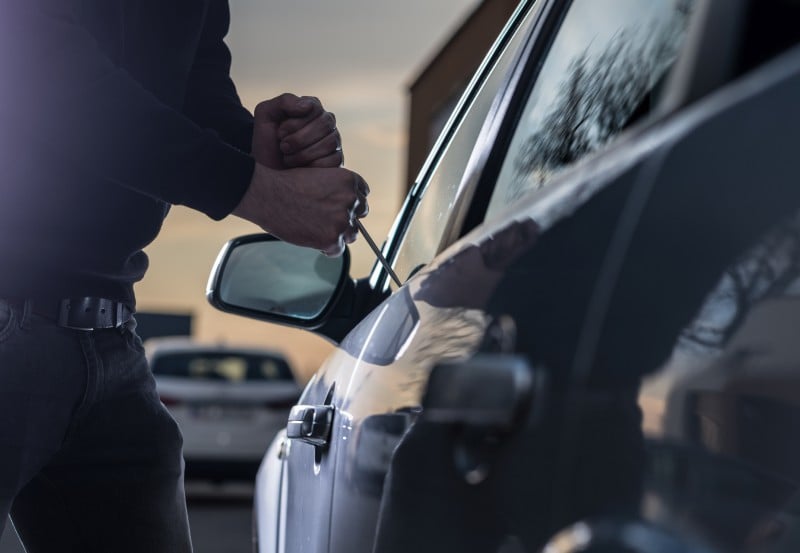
377,252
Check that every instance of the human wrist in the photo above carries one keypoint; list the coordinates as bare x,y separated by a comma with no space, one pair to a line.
254,203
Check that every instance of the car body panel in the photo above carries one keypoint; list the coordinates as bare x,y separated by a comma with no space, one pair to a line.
268,524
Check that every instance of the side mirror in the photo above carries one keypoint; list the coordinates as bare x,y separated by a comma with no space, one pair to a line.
261,277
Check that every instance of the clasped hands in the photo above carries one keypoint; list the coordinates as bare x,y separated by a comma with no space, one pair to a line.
299,191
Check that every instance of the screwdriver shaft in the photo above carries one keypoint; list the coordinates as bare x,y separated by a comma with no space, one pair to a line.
377,252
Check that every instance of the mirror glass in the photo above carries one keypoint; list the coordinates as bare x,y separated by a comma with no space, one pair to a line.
277,278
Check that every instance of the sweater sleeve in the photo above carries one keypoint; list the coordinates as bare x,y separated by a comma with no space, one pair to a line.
58,90
211,97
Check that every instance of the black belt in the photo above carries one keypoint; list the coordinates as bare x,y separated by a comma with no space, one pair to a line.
84,313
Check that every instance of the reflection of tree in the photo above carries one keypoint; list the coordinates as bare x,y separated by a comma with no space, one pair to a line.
768,270
599,97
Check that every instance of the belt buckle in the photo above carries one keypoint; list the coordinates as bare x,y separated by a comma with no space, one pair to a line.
89,313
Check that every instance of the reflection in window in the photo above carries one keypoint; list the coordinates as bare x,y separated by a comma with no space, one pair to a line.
423,237
601,74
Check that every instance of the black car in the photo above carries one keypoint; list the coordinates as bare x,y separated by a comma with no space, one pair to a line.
594,344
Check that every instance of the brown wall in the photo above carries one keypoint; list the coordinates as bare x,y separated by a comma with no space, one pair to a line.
435,91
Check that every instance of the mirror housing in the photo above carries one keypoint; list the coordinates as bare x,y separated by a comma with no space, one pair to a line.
261,277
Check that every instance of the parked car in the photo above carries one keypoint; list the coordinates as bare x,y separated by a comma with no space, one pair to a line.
229,402
593,346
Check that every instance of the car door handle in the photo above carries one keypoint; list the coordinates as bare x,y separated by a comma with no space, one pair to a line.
310,424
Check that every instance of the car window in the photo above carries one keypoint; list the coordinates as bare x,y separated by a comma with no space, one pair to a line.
231,367
422,238
601,73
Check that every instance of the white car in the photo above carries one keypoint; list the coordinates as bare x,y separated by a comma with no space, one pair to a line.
229,403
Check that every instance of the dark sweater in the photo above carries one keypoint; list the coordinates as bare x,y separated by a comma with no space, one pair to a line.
110,110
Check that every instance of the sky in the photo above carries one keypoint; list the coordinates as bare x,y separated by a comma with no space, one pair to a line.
358,57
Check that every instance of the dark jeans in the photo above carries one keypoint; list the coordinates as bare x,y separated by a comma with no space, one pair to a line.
90,460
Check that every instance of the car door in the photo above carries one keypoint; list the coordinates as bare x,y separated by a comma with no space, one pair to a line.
699,299
722,415
586,188
439,314
311,520
628,245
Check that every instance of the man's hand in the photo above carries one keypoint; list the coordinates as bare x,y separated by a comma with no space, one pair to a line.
295,131
309,207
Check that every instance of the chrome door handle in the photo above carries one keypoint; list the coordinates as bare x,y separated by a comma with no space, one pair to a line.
310,424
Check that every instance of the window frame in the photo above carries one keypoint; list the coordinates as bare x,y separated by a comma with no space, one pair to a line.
541,13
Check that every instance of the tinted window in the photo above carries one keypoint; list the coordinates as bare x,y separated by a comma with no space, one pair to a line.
229,367
601,73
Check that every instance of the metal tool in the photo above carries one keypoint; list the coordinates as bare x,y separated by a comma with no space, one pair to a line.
377,252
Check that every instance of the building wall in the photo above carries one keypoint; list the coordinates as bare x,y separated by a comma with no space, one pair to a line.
435,92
